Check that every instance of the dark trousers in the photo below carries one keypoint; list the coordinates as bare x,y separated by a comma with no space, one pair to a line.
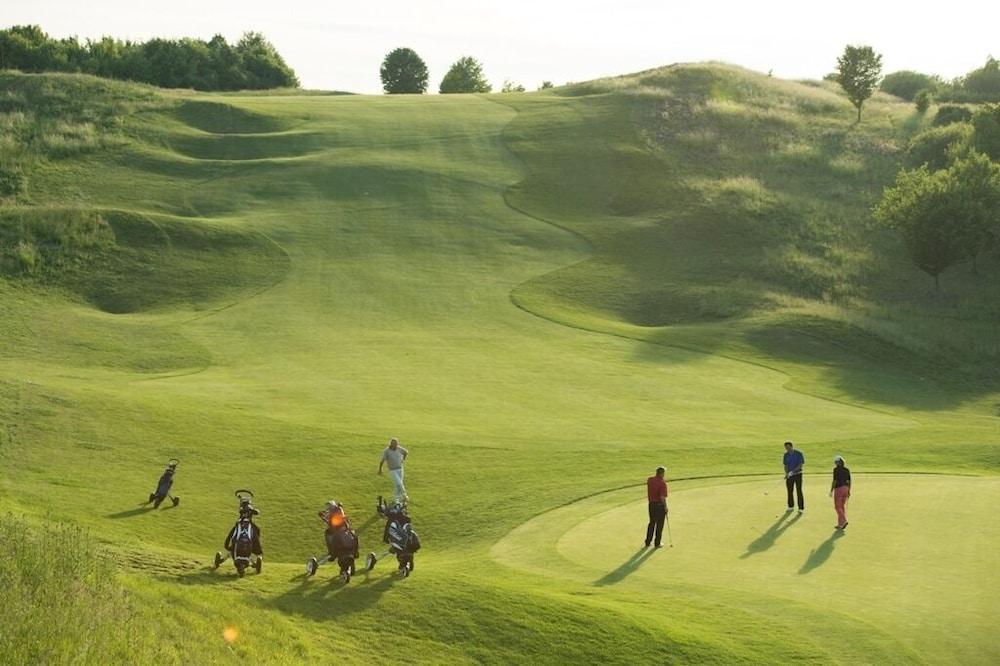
657,514
795,481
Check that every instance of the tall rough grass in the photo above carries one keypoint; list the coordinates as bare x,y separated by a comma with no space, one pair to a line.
60,602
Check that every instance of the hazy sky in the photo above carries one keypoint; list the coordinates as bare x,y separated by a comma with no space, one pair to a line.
340,45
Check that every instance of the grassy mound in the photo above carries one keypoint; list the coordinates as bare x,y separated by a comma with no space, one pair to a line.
125,262
719,194
222,118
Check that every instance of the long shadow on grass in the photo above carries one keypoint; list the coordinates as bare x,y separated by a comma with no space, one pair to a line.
626,568
324,599
819,556
767,539
854,362
209,576
138,511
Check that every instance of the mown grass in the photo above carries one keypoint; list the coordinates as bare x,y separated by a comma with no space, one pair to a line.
397,306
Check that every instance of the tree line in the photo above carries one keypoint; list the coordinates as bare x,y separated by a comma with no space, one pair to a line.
252,63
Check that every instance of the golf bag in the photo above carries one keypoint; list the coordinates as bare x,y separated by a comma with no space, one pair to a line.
399,534
164,485
243,541
341,542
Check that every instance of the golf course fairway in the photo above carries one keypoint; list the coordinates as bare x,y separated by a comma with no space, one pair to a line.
543,296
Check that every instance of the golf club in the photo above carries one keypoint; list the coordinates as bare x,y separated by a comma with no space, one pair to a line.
670,538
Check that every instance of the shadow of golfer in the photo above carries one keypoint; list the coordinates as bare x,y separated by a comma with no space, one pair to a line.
627,567
821,554
131,512
767,539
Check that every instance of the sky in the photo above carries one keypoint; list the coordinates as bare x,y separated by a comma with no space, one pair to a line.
336,45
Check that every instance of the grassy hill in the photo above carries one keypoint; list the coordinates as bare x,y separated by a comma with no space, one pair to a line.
543,296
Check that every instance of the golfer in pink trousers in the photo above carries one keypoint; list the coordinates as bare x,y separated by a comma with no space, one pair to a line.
840,490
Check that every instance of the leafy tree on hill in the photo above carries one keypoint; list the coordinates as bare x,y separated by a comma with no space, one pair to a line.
986,131
465,76
262,65
511,87
858,71
983,84
944,216
906,84
403,72
546,85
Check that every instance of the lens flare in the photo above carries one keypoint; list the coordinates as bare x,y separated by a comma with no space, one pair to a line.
230,634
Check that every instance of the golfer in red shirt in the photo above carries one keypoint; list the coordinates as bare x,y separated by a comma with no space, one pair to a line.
656,491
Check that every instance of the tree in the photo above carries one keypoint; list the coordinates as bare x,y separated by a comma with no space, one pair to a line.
986,131
983,84
976,202
858,73
263,66
906,84
465,76
546,85
511,87
944,216
403,72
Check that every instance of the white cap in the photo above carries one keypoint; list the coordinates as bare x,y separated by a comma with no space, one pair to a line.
838,458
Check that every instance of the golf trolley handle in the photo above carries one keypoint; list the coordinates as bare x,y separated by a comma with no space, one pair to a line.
239,493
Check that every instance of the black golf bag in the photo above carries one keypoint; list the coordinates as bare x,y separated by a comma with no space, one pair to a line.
164,485
341,541
402,539
342,546
243,541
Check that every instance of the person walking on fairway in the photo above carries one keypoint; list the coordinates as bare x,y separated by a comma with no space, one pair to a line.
656,492
393,457
794,460
840,490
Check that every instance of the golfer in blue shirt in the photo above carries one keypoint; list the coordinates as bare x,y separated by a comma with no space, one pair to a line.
793,475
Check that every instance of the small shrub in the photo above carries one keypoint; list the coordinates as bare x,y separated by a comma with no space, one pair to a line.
922,100
27,256
931,147
13,180
949,113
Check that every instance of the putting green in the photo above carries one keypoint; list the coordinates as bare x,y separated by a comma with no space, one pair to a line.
917,562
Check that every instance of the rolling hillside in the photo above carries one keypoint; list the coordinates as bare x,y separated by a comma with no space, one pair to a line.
543,296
